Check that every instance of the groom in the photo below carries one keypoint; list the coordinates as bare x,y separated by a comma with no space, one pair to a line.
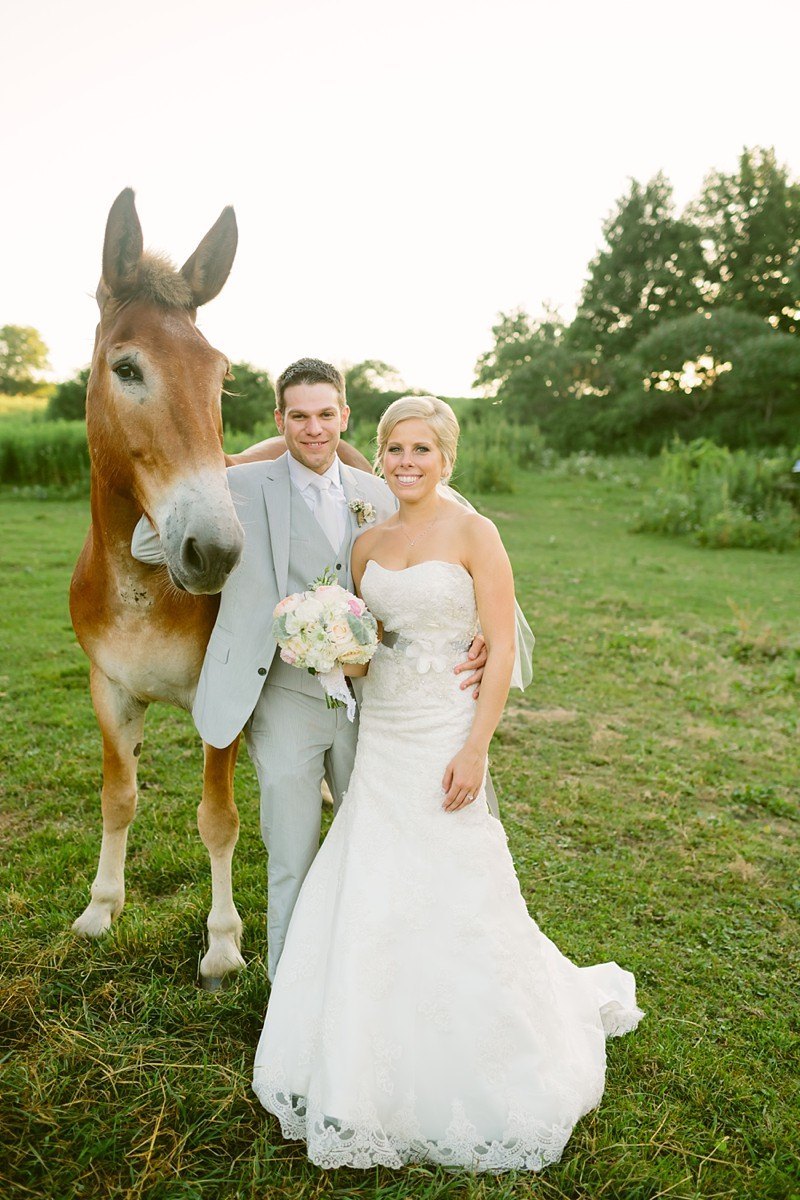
300,515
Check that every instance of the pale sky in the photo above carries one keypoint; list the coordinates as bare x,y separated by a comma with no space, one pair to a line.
400,172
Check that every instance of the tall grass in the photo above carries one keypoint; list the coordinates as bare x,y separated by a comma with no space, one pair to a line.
725,498
43,454
491,453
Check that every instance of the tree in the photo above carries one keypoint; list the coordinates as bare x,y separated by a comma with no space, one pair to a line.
760,395
22,355
651,268
68,401
565,392
248,399
372,385
538,378
685,358
725,375
517,337
751,225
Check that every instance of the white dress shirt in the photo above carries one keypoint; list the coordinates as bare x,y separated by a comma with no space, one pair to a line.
307,483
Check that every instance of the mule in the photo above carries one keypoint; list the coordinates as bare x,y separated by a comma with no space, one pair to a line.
154,426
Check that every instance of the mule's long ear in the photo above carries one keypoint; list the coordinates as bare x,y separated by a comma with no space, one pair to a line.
210,265
123,246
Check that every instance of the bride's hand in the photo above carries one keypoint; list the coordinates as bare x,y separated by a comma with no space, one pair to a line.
463,778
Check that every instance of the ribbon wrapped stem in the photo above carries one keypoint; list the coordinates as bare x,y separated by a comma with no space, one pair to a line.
337,693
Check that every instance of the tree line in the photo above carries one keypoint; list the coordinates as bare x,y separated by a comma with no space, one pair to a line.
687,323
248,397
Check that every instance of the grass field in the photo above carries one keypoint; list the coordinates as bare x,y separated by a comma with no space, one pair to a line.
647,782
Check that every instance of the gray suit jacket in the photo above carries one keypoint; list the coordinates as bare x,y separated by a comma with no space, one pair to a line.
241,647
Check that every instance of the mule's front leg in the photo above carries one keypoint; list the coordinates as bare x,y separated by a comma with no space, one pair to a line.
121,720
218,822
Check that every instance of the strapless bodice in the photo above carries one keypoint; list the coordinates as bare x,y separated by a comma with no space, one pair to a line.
430,600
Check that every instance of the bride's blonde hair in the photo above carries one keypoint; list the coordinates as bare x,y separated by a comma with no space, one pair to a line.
434,412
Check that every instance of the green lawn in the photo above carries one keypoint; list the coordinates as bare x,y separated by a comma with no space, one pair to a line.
647,781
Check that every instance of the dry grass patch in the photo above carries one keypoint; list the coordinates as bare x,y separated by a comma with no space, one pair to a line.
541,716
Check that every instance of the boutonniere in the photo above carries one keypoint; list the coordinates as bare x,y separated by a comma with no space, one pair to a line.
364,511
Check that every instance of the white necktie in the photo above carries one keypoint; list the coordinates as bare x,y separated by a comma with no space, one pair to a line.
325,510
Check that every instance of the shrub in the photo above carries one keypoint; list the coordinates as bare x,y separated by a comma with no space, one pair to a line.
724,375
724,498
489,452
248,399
68,401
619,469
45,454
487,458
760,393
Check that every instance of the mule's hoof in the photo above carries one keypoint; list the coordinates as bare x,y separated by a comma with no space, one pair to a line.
212,983
93,922
219,970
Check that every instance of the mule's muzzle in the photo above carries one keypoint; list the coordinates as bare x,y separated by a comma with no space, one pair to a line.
204,563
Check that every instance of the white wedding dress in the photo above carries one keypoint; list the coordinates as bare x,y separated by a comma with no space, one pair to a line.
418,1013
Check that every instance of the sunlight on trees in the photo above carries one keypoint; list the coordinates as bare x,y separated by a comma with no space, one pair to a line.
687,324
23,356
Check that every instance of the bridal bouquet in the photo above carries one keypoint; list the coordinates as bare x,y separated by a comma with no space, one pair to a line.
323,628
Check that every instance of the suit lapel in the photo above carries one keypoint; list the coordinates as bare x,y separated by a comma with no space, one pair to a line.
277,499
350,489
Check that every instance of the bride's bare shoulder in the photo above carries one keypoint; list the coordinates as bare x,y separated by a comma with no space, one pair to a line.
365,543
470,524
476,540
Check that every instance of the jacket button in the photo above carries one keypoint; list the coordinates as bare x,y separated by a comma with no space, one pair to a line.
262,670
338,566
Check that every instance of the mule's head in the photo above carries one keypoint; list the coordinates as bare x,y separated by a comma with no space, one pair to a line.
153,411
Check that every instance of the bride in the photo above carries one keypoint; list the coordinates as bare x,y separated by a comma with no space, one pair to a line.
418,1013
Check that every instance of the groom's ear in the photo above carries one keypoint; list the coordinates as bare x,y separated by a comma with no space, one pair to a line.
279,420
345,417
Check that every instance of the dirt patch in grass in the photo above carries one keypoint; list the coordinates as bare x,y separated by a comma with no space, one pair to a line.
605,733
541,716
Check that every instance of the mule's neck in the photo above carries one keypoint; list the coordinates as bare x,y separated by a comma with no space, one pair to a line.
114,515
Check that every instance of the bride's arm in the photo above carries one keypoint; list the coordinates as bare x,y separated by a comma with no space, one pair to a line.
358,565
486,559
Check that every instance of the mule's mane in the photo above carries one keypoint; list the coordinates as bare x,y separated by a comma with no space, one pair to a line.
158,281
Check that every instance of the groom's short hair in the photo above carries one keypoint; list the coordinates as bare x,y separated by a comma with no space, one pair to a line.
309,370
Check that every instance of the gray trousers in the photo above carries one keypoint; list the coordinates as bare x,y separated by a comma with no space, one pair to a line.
295,741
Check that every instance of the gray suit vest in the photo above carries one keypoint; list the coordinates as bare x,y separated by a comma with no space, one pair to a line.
309,554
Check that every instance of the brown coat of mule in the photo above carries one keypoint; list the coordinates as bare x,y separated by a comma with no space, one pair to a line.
154,426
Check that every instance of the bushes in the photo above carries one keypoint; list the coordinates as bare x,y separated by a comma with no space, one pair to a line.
724,498
491,452
43,454
248,399
68,401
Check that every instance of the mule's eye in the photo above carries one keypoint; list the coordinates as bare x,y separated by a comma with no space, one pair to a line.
127,372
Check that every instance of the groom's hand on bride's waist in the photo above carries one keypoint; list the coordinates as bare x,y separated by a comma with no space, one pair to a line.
474,663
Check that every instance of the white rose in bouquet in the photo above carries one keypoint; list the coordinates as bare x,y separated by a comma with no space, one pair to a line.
321,629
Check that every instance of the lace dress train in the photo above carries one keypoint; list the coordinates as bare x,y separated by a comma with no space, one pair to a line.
418,1013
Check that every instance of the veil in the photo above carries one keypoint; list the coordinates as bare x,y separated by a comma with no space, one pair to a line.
522,673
